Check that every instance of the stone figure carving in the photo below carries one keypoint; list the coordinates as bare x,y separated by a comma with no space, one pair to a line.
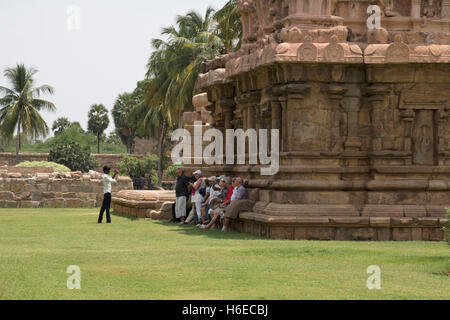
387,6
425,139
430,9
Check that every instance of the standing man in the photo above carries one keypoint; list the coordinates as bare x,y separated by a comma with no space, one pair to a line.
182,194
107,188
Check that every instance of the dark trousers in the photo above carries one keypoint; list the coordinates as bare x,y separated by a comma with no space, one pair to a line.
105,207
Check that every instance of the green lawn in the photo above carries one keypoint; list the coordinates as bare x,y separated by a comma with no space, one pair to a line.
135,259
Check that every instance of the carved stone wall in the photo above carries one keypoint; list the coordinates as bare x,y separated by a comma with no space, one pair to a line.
363,116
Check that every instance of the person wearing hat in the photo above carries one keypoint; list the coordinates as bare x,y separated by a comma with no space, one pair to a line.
107,188
197,197
217,192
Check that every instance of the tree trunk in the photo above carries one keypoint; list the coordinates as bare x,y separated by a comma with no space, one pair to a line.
129,142
98,143
180,118
18,142
160,153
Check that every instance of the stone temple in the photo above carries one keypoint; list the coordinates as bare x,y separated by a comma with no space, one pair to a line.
363,116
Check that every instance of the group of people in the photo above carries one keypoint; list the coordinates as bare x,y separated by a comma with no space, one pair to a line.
209,203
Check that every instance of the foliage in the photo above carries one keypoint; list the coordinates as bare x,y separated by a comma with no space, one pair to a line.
98,121
114,139
60,125
75,132
173,69
20,105
58,167
68,152
171,171
174,65
137,168
172,73
125,126
229,26
77,126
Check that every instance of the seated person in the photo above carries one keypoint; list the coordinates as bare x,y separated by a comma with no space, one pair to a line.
239,202
223,204
213,191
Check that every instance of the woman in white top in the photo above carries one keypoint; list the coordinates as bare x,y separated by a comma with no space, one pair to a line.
197,199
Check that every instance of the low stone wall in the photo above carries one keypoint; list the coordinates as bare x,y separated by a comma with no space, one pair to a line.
27,170
61,190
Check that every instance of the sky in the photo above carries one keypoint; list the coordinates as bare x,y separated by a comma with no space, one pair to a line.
90,51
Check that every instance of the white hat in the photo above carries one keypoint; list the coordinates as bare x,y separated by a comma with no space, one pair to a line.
197,172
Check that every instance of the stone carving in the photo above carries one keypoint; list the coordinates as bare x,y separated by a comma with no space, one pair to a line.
424,142
378,36
156,205
398,51
431,8
307,51
334,51
387,7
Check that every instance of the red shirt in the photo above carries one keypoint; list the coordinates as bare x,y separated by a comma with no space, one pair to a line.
229,193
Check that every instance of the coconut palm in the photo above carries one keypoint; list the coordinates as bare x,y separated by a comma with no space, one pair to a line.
229,26
20,105
175,64
156,121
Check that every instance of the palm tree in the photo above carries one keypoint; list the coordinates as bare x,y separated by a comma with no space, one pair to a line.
229,26
21,104
153,121
175,64
98,121
125,102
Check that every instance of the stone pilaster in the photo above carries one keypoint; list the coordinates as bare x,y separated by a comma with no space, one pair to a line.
351,106
378,98
294,94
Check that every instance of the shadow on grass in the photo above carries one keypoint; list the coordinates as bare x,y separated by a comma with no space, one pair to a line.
192,230
115,214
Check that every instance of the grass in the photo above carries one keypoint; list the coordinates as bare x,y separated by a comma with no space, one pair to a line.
135,259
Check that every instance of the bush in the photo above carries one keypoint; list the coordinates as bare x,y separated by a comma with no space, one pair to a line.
70,153
171,171
58,167
138,168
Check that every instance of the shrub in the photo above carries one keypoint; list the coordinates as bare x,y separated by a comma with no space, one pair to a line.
138,168
171,171
70,153
58,167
